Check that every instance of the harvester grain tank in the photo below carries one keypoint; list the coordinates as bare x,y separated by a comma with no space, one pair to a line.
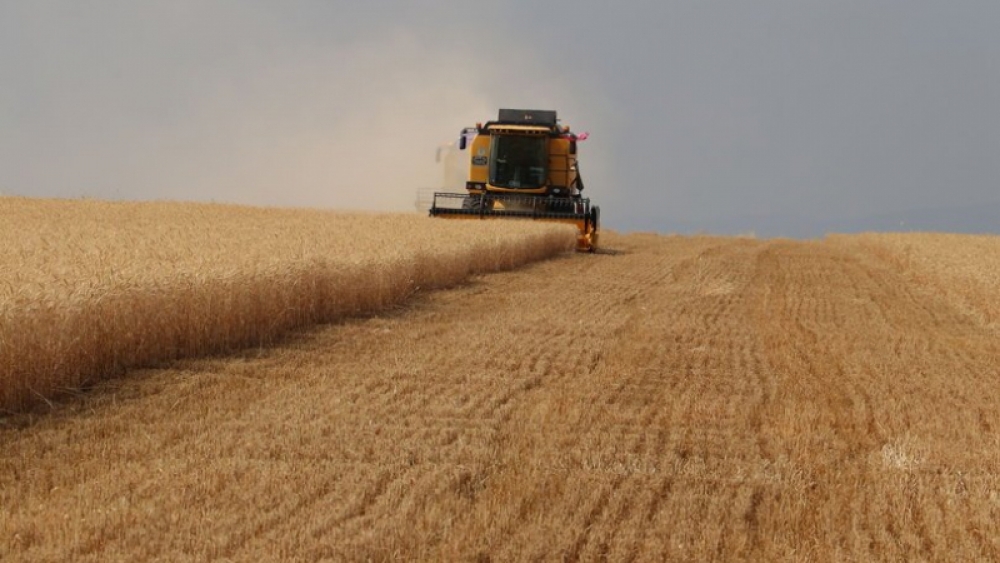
523,166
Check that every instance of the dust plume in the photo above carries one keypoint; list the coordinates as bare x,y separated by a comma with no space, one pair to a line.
246,102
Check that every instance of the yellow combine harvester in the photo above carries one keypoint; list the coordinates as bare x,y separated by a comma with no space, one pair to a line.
523,166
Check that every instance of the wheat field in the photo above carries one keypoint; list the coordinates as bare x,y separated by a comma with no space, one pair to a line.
682,399
90,289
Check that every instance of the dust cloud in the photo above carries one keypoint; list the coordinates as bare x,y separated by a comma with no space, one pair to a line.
243,103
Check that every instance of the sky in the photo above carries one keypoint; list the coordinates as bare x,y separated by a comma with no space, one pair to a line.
779,118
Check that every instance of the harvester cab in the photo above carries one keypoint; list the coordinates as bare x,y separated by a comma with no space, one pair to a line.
523,166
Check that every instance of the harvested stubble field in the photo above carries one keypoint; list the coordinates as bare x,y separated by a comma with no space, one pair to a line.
687,398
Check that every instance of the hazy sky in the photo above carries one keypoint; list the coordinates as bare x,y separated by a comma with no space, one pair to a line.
786,118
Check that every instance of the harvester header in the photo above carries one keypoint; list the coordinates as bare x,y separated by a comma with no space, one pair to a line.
523,166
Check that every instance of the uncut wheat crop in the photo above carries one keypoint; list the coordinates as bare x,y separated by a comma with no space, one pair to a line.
89,289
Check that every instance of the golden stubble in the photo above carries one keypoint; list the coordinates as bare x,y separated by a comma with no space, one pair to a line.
683,399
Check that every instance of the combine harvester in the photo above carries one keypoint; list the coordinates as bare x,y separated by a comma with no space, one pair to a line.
523,166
